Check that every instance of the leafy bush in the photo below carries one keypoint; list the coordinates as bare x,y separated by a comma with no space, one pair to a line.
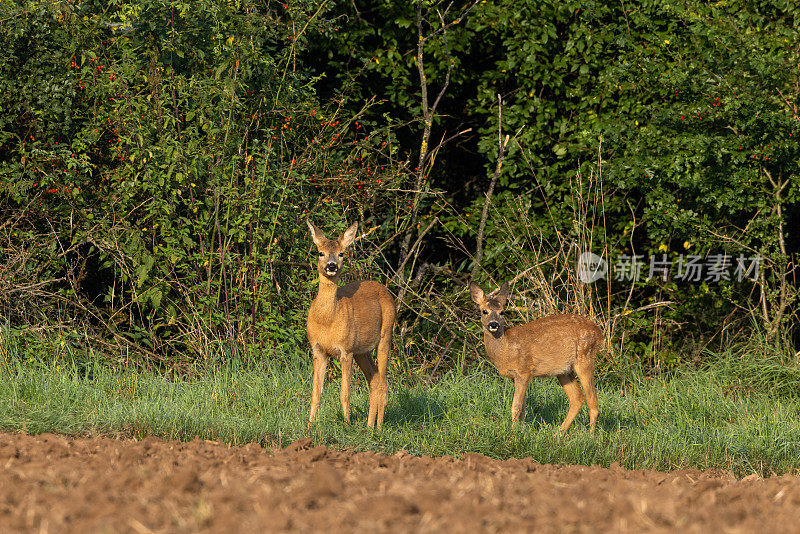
158,159
174,150
685,117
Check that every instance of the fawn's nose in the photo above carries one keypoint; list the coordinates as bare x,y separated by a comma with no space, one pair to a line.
332,267
493,326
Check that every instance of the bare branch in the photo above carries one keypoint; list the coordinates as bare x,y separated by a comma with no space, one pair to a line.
502,143
428,111
399,271
436,366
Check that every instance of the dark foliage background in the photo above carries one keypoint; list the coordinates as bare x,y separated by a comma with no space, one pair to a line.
158,160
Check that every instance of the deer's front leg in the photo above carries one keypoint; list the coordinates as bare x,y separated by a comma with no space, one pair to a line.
518,405
320,366
346,360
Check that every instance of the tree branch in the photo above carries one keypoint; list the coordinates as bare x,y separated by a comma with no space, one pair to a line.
501,153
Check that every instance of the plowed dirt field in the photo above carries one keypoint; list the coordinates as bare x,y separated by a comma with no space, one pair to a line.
52,483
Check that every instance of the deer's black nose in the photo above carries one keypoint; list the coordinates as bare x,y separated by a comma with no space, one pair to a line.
493,325
332,267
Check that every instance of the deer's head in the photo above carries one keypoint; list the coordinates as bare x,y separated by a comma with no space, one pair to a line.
491,307
331,251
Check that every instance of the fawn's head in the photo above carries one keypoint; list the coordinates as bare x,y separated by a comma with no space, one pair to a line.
331,251
491,307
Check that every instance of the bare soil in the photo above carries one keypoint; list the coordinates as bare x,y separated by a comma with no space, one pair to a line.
51,483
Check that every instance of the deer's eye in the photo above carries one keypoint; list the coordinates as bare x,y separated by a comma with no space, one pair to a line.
321,254
485,312
341,254
502,313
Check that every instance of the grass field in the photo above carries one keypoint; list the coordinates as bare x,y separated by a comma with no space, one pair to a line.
739,415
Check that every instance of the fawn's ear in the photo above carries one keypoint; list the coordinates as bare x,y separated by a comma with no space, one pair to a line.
316,233
502,293
476,293
349,235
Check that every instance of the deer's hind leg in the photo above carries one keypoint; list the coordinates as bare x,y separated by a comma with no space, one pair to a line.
382,356
367,366
380,381
585,372
575,396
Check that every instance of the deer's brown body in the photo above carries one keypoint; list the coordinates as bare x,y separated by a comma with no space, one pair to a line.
348,323
564,346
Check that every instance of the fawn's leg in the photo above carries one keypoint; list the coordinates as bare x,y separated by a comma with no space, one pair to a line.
320,366
518,404
575,396
585,372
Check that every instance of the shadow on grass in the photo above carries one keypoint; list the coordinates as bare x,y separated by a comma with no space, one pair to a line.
551,410
610,420
413,407
542,411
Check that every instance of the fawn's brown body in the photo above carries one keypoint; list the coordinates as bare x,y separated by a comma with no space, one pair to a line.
557,345
348,323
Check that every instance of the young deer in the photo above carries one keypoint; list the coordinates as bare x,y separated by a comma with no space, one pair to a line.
557,345
348,323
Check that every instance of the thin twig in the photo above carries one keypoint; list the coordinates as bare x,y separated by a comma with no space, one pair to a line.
646,307
428,111
404,286
438,361
501,152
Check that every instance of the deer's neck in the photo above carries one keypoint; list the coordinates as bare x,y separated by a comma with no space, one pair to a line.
496,346
326,304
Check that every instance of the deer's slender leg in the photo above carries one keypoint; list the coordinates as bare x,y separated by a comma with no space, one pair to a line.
585,372
370,371
575,396
384,346
346,360
518,405
320,366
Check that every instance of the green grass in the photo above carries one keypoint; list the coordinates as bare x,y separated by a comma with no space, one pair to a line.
705,419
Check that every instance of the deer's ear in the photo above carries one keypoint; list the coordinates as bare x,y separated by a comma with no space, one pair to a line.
349,235
316,233
502,293
476,293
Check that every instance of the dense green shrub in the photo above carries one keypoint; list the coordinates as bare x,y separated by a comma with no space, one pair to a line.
158,159
639,129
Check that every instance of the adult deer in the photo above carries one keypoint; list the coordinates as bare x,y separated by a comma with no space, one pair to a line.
347,323
556,345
